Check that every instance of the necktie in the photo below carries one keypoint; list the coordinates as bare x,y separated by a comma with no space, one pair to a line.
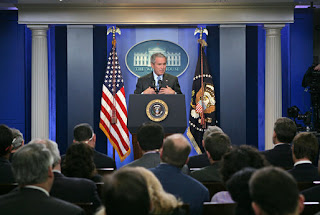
158,79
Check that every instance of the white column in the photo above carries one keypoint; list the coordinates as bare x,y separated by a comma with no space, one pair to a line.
273,84
39,83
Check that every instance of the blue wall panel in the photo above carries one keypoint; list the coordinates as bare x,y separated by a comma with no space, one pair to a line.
12,73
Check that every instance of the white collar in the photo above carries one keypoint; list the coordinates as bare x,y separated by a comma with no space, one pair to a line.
37,188
155,76
302,162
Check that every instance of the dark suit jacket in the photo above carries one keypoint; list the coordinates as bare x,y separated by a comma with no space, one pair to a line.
76,190
168,80
28,201
151,160
305,172
208,173
6,175
148,161
100,160
189,190
198,161
280,155
312,194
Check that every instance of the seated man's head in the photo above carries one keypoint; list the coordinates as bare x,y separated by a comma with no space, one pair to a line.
304,147
126,192
275,192
84,133
216,145
32,165
18,139
6,139
284,130
150,136
175,150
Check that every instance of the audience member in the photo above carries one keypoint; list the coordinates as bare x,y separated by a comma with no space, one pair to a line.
79,163
150,138
125,192
238,187
6,138
83,133
76,190
32,168
281,155
174,154
216,145
18,140
162,202
305,149
234,161
274,191
199,161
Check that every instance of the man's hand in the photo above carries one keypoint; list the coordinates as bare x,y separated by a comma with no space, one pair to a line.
149,90
166,90
317,67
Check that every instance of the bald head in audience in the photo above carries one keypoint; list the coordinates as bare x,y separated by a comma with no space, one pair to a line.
175,150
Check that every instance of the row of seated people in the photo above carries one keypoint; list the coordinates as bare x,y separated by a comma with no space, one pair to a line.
174,153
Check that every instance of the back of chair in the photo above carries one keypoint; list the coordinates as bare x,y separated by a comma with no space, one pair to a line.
6,188
210,208
104,171
310,208
214,187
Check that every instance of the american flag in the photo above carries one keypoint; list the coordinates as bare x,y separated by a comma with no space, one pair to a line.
113,114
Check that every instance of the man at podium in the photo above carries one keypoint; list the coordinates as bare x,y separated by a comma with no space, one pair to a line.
158,82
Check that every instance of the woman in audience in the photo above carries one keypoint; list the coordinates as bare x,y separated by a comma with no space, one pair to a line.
238,187
79,163
235,160
162,203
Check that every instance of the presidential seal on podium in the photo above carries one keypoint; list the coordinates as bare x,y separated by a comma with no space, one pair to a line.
157,110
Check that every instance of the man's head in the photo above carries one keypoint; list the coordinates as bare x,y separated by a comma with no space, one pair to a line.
284,130
18,139
126,187
150,136
211,129
275,192
84,133
305,146
159,63
53,149
6,139
216,145
175,150
32,165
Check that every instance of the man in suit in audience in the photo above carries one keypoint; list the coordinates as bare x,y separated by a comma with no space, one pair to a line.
75,190
32,168
216,145
305,148
158,80
6,138
202,160
174,154
274,191
83,133
281,155
150,139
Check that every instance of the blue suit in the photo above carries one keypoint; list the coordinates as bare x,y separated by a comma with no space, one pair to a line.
189,190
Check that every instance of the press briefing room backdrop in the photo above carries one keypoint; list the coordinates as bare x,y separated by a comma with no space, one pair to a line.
15,72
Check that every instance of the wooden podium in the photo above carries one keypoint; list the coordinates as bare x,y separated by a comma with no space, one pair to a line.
140,107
